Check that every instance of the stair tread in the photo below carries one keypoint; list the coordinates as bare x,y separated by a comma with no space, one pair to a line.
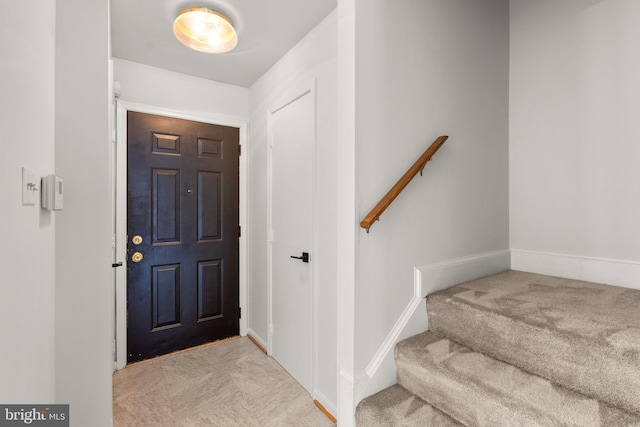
478,390
583,335
397,407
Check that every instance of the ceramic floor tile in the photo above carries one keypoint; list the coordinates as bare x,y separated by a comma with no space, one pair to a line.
152,409
227,384
138,379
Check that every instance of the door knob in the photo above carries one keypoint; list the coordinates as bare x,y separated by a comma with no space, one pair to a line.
304,257
137,257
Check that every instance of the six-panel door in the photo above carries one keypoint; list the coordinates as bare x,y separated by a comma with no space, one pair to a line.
182,278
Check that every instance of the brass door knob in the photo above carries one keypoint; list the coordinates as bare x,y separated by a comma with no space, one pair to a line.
136,240
137,257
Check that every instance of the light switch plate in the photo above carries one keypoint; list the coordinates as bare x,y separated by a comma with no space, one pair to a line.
30,187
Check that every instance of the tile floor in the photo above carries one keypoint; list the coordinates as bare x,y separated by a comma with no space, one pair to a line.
232,383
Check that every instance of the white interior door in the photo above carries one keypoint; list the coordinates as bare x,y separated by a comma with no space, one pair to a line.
292,140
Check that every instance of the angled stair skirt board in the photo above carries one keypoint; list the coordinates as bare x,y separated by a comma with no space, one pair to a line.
380,372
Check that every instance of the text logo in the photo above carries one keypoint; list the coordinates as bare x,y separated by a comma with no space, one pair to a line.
34,415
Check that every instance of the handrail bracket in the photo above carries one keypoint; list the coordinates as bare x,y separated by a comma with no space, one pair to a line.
422,168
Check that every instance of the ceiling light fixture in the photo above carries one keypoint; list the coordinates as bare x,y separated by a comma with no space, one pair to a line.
205,30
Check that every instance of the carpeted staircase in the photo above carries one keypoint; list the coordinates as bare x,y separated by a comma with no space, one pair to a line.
518,349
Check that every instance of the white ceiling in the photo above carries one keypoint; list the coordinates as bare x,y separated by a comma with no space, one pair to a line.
141,31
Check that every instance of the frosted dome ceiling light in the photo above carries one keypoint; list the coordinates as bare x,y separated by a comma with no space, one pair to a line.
205,30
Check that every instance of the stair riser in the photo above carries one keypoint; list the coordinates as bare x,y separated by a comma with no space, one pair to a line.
457,401
397,407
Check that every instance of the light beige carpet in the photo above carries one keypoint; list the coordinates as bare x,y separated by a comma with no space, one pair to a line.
397,407
227,384
478,390
518,349
581,335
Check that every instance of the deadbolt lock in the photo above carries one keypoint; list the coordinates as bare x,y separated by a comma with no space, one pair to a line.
137,257
136,240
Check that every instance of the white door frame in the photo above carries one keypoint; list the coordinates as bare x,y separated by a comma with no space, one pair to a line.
120,209
292,94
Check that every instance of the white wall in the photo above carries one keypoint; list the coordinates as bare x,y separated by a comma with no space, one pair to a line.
84,286
574,175
313,57
179,92
27,278
440,68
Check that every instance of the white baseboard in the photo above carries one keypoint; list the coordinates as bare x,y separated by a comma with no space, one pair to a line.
599,270
445,274
381,373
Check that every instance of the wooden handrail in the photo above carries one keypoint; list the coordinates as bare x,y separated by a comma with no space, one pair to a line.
418,166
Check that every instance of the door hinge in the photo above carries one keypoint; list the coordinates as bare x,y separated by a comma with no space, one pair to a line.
239,231
239,150
240,312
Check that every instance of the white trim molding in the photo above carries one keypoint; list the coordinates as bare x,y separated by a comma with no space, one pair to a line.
600,270
391,340
346,403
445,274
380,373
